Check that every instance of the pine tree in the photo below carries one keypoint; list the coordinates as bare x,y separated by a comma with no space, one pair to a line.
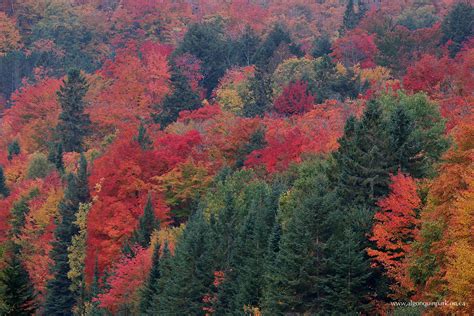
146,224
363,159
182,98
294,280
151,286
83,194
60,299
457,26
243,282
191,271
207,42
143,138
407,149
4,191
13,149
73,122
351,17
246,46
165,269
322,46
261,94
55,156
348,273
16,290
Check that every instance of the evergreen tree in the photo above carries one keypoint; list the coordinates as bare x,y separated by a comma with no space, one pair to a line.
60,299
362,160
83,194
346,286
182,98
143,138
4,191
279,35
19,211
207,42
246,46
73,122
406,147
457,26
322,46
294,281
243,282
351,17
13,149
191,272
146,224
55,156
151,287
165,269
261,94
16,290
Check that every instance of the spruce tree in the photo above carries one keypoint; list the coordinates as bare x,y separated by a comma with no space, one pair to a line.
13,149
182,98
151,287
16,290
407,148
73,122
55,156
146,224
60,300
261,94
351,17
83,194
143,138
457,26
363,160
246,46
348,272
158,301
191,274
207,42
4,191
322,46
294,281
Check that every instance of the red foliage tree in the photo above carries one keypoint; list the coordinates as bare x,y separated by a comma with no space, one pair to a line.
120,181
295,99
396,227
356,47
126,281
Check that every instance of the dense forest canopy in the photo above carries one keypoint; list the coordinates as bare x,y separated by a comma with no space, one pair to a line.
244,157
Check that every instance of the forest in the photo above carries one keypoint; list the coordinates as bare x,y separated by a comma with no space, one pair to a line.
238,157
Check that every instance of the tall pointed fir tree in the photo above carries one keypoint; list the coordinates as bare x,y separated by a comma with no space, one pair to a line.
60,300
191,274
55,156
146,224
351,18
73,122
143,138
363,159
348,273
16,290
243,283
151,287
13,149
294,281
165,269
4,191
180,99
